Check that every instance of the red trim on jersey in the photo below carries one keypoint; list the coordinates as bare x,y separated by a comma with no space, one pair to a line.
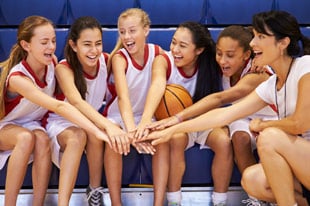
38,82
185,75
146,55
168,64
273,107
112,90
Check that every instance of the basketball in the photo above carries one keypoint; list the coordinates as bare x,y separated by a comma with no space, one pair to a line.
175,99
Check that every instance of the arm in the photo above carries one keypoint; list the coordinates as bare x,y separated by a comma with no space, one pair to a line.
26,88
155,93
65,79
244,87
214,118
124,104
299,121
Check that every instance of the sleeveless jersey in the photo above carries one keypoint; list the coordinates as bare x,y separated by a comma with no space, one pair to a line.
138,81
19,109
176,75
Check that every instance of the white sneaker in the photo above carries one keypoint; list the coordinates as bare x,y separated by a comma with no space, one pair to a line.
254,202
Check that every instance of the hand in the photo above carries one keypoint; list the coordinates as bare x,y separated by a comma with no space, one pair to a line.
164,123
119,139
159,136
255,127
144,147
141,131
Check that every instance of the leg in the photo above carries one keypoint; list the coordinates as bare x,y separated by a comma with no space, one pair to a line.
244,157
72,143
113,167
41,168
177,161
160,168
222,165
21,141
177,166
94,154
282,157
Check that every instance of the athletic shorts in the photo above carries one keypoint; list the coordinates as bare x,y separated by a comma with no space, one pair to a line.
242,125
54,127
199,138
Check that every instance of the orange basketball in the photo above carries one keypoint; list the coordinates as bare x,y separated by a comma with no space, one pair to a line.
175,99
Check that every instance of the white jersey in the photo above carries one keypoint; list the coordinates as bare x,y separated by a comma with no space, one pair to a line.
19,109
176,75
286,97
138,82
96,89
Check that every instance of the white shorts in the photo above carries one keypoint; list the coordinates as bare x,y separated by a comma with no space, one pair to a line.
54,127
199,138
33,125
242,125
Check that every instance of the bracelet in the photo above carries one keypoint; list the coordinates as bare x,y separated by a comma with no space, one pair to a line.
179,118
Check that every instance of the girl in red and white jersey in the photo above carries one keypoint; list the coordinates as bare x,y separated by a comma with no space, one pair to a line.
131,62
27,87
82,79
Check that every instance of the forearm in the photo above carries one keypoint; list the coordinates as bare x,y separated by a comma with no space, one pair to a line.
202,106
74,115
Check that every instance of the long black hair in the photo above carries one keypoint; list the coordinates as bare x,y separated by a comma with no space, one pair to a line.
208,79
82,23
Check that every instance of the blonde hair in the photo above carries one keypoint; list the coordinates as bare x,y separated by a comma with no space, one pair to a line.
25,32
145,21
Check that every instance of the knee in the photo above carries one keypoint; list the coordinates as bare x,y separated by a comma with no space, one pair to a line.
25,141
77,140
241,139
267,140
249,179
42,143
222,145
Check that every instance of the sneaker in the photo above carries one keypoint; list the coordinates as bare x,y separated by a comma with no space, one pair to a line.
94,196
254,202
174,204
220,204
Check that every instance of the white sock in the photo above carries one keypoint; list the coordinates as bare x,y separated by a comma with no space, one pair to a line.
174,196
218,197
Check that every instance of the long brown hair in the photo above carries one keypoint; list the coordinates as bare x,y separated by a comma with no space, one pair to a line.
25,32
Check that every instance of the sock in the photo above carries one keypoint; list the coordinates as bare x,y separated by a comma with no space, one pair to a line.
218,197
174,196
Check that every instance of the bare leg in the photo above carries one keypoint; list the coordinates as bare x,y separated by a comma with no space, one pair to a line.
177,161
242,150
94,154
21,141
72,142
41,168
113,167
222,165
160,168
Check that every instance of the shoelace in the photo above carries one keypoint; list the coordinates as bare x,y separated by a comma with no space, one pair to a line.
251,202
94,195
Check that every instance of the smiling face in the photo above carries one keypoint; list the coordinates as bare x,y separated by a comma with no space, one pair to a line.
88,47
183,49
132,33
231,56
266,49
41,47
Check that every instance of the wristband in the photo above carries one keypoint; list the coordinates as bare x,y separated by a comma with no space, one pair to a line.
179,118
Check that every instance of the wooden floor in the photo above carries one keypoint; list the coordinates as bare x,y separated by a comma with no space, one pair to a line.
192,196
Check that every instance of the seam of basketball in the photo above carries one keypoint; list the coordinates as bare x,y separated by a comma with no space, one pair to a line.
176,97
